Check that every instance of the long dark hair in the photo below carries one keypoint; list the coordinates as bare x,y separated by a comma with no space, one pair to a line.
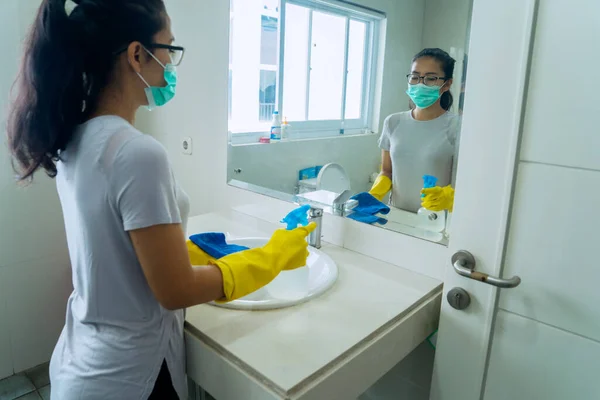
447,64
68,60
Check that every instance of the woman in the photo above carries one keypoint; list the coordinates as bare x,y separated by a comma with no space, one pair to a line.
84,75
422,141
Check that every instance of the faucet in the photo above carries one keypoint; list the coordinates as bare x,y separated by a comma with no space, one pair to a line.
340,200
342,204
315,215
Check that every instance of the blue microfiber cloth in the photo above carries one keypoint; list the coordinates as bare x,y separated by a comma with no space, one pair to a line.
299,216
214,244
369,205
367,219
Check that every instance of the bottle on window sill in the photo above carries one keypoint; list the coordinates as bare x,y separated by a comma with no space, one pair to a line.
285,129
276,127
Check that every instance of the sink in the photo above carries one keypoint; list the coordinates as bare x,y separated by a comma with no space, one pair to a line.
289,288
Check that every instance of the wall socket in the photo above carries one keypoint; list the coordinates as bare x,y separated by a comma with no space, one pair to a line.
186,145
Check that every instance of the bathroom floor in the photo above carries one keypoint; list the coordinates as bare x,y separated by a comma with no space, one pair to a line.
33,384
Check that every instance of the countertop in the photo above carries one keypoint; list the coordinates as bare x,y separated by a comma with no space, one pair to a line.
286,349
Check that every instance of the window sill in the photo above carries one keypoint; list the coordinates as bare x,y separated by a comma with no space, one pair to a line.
246,139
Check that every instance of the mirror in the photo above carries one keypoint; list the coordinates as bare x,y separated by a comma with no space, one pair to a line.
352,106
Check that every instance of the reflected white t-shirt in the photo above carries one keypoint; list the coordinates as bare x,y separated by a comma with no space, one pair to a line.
419,148
113,179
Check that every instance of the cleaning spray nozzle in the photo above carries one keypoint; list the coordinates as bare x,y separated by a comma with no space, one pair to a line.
429,181
299,216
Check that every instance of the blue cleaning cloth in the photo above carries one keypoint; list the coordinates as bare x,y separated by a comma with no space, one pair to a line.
367,219
369,205
214,244
299,216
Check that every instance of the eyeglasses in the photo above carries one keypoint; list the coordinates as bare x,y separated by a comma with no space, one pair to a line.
175,52
428,80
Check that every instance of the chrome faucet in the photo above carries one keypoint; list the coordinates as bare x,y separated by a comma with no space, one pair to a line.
315,215
342,204
340,201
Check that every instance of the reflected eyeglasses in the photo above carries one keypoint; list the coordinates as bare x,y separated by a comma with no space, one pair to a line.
428,80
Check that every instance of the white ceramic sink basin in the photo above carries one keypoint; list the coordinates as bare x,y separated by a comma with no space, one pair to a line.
290,287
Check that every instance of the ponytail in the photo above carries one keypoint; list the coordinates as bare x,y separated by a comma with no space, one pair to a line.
50,93
447,100
68,60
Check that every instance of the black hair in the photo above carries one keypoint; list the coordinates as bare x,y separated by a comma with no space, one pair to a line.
447,65
68,60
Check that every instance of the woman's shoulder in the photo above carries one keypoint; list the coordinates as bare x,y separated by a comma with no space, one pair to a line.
126,145
393,120
454,122
400,116
452,116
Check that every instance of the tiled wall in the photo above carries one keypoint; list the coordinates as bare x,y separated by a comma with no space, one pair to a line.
553,241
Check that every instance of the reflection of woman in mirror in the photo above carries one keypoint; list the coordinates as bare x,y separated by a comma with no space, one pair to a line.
422,141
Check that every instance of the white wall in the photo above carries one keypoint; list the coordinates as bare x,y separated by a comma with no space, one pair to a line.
276,166
446,23
34,267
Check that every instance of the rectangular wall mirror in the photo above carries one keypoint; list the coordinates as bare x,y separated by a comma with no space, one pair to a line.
352,106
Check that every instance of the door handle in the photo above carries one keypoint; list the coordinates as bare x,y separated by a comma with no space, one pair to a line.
464,265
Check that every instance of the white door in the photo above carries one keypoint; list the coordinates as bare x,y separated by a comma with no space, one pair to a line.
528,188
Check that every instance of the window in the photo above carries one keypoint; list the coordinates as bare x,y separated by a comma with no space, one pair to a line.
312,60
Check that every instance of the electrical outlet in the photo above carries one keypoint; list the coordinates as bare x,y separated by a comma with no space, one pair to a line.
186,145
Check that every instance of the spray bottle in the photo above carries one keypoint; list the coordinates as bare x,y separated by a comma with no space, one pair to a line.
434,220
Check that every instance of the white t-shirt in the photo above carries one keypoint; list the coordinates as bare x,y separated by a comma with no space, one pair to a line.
113,179
419,148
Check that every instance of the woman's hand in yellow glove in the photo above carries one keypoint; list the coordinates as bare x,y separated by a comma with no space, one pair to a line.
289,249
381,187
438,198
250,270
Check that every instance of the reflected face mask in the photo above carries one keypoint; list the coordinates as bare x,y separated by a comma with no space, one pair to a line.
422,95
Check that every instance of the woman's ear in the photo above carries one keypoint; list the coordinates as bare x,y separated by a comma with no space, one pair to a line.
135,56
447,85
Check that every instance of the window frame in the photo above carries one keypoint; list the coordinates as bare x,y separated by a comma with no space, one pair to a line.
328,128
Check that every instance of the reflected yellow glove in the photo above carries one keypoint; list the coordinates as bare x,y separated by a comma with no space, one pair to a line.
438,198
381,187
250,270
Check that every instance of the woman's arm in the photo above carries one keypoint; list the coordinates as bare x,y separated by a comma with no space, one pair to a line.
383,183
163,255
386,164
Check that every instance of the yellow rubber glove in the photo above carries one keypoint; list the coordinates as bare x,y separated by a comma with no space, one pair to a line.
381,187
247,271
197,255
438,198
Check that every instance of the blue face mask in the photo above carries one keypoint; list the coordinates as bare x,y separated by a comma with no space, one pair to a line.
159,96
422,95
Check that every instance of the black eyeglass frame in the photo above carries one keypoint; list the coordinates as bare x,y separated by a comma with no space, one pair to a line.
159,46
422,78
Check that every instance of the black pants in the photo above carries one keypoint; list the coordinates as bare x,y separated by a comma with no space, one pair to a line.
163,388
